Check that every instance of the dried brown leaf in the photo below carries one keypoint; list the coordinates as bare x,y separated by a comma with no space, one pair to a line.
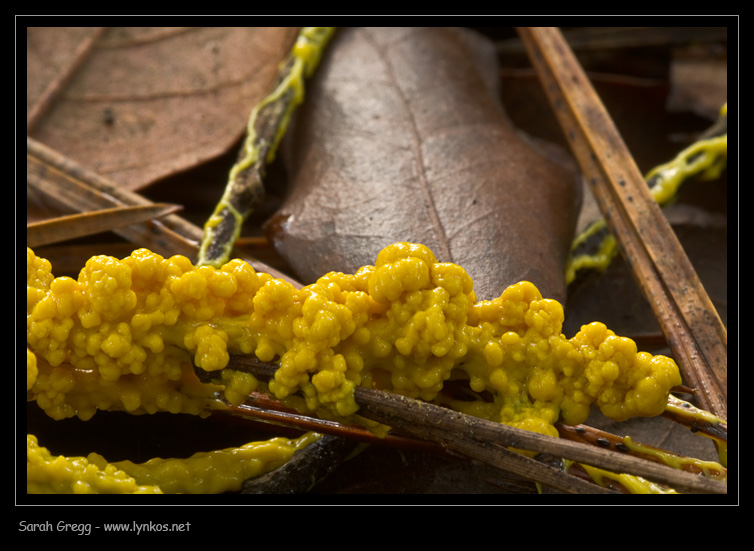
138,104
403,138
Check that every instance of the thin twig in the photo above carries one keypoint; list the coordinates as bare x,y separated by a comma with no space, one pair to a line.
376,405
695,333
266,410
623,445
262,408
686,414
67,182
599,39
72,226
489,441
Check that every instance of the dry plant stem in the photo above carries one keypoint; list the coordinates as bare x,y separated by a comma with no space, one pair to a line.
72,226
266,410
608,441
262,408
487,440
66,182
70,184
459,442
696,420
611,38
456,432
693,329
578,470
484,439
245,192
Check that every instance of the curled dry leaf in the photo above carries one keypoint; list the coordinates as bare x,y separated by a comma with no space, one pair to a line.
138,104
403,138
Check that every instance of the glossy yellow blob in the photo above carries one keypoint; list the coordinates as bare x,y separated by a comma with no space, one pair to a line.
31,369
632,483
216,471
126,333
48,474
202,473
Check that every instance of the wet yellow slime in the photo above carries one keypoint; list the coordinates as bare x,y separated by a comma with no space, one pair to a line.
126,334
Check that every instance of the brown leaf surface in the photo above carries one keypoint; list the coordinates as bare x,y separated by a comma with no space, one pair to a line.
138,104
402,138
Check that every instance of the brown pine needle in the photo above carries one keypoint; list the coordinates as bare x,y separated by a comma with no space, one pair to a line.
72,226
693,329
63,180
267,410
617,444
262,408
489,441
696,420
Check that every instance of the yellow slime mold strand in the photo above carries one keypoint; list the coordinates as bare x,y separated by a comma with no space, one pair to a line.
685,410
301,63
203,473
633,484
706,159
710,469
48,474
124,336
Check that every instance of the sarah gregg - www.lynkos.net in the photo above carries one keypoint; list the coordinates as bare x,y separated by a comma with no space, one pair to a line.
86,528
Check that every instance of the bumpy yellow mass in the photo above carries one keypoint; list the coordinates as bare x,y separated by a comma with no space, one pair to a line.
48,474
126,334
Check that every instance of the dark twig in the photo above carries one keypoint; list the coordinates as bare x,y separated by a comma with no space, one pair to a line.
695,333
72,226
66,182
489,441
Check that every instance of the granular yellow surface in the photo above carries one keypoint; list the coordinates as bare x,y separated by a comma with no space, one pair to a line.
126,334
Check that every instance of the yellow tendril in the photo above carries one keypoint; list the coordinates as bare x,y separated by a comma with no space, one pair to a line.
705,159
